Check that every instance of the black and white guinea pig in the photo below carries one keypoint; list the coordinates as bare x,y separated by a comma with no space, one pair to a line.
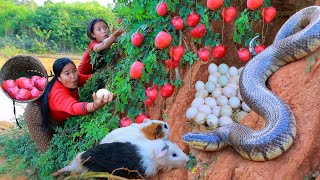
146,156
149,129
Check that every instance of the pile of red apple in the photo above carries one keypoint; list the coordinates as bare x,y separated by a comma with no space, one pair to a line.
24,88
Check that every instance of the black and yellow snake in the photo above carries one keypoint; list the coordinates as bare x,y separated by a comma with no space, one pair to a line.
297,38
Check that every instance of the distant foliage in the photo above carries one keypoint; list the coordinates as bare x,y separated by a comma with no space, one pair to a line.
63,25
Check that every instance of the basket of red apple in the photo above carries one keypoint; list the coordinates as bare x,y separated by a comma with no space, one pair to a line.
23,78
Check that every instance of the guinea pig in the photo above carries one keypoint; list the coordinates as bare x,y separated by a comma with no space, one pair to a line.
146,157
149,129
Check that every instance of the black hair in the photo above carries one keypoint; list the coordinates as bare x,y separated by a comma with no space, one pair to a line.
58,65
90,26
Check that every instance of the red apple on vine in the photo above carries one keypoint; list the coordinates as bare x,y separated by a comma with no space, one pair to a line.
228,14
139,119
243,54
162,9
176,53
214,4
148,102
162,40
167,63
254,4
198,31
268,14
136,70
193,19
137,39
177,22
204,54
125,121
219,51
166,90
152,93
259,48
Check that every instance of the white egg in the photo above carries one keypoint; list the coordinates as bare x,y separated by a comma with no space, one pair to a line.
223,80
222,100
217,74
102,92
213,78
217,92
211,102
199,85
226,110
197,102
210,86
233,71
223,68
229,91
234,102
216,111
191,112
212,121
225,120
245,107
218,86
234,79
233,84
200,117
205,108
212,68
202,93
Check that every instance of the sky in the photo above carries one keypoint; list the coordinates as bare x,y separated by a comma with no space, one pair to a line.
102,2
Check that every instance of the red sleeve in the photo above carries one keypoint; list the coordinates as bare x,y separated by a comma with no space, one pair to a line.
85,67
82,79
64,101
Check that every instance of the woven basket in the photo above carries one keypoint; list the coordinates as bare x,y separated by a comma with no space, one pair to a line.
22,65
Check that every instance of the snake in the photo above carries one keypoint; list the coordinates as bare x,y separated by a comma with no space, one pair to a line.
297,38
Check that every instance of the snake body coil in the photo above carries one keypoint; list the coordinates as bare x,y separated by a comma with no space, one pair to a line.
297,38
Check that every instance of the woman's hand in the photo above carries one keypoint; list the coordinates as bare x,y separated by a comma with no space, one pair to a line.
116,33
99,103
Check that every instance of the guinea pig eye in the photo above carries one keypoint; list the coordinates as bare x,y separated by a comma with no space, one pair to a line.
165,126
174,155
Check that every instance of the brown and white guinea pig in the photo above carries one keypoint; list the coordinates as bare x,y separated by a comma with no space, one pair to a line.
149,129
145,156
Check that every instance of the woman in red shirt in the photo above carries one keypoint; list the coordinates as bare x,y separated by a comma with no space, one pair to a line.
98,33
60,101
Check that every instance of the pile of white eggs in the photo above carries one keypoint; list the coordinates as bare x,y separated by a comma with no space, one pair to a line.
218,101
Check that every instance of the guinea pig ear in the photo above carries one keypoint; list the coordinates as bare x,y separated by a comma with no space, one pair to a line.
162,152
146,120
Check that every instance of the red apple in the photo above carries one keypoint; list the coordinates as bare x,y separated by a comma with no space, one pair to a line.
228,14
204,54
214,4
268,14
254,4
8,84
34,78
193,19
162,9
152,93
139,119
198,31
23,82
137,39
176,53
35,92
13,91
163,39
244,54
136,70
259,48
219,51
148,102
125,121
41,83
177,22
23,95
168,63
166,90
